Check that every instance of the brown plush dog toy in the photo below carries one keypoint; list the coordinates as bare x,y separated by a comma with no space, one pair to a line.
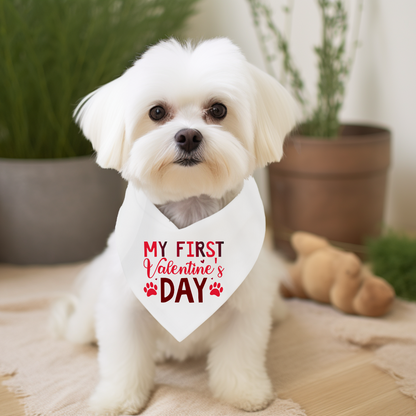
327,274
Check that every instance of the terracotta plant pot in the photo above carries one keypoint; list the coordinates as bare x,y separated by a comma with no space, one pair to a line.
333,188
56,211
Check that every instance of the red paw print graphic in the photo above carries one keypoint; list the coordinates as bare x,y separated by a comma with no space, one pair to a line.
150,289
216,289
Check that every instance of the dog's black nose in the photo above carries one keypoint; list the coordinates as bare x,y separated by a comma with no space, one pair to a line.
188,139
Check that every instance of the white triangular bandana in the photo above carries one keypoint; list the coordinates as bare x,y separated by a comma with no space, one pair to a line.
182,276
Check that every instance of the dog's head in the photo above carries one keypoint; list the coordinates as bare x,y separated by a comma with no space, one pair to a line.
185,121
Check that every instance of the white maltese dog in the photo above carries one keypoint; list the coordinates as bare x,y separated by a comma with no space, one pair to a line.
186,124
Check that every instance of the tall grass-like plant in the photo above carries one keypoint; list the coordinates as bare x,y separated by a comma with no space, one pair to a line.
334,63
54,52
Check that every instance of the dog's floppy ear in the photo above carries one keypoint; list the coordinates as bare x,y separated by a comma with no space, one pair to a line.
275,117
101,118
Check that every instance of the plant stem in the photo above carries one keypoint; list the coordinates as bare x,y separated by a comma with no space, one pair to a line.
333,64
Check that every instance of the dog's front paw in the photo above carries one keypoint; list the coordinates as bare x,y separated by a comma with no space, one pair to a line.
249,395
110,400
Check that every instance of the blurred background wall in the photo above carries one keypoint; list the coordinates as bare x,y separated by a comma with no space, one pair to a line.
382,87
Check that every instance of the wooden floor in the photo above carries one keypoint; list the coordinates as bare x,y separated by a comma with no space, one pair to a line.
353,387
9,403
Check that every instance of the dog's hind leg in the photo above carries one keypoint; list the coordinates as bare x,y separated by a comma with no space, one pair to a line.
73,315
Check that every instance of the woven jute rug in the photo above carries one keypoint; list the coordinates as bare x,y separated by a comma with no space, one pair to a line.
53,377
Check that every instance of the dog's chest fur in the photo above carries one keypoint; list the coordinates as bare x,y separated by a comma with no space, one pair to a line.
188,211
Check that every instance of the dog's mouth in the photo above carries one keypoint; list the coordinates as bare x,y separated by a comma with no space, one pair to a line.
189,159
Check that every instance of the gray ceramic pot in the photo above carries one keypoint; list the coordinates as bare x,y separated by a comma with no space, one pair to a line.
56,211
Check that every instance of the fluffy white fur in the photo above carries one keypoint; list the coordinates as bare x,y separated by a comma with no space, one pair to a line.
186,80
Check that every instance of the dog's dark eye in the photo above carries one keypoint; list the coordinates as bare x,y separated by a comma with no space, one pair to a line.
157,113
218,111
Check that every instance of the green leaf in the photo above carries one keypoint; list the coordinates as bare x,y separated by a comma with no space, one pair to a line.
54,52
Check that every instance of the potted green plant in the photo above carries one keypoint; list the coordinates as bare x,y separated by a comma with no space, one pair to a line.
332,179
393,257
56,205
